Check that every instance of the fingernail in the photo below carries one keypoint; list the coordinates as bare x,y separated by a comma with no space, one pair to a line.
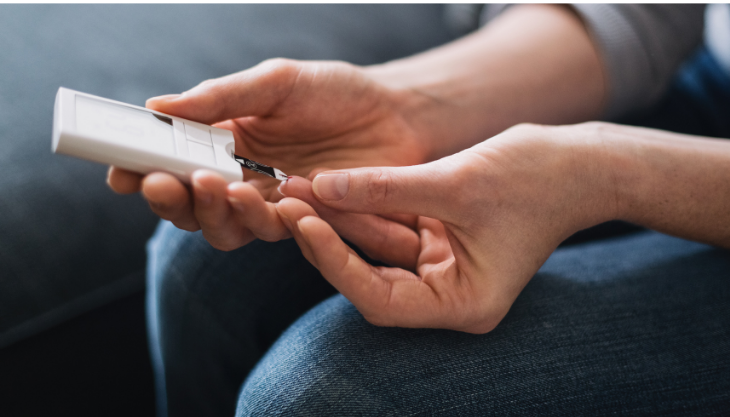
236,203
201,194
282,186
331,186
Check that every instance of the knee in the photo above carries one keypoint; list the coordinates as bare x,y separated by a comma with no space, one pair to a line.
318,367
192,284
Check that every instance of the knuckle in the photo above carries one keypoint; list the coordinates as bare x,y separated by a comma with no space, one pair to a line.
226,247
271,235
159,210
482,327
211,220
279,77
380,250
485,322
280,66
209,86
209,82
273,62
376,319
220,243
186,225
341,65
593,124
211,95
596,125
223,247
168,213
528,128
380,186
596,129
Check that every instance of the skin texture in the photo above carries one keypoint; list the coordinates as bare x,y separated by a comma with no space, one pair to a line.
534,63
491,215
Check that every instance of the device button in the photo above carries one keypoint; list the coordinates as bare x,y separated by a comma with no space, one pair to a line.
201,153
198,135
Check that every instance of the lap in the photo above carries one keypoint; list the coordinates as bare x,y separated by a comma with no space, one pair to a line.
637,324
261,282
213,314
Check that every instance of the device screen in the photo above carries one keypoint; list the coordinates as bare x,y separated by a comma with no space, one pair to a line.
124,125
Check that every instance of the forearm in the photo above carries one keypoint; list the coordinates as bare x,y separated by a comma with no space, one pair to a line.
534,63
672,183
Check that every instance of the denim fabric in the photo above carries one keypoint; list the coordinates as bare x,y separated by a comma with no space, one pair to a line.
213,314
631,325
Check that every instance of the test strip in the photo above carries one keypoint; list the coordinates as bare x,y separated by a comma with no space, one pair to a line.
260,168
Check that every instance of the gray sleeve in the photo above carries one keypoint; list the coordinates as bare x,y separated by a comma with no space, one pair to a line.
641,46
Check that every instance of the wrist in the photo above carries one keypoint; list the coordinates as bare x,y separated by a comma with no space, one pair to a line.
534,63
452,102
415,102
605,171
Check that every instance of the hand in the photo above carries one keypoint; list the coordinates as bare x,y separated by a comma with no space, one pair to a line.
233,215
490,217
293,115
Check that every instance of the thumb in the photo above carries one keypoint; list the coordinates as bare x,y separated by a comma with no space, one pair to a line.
253,92
425,190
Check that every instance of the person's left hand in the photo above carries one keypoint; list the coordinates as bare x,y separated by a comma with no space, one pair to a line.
490,217
296,116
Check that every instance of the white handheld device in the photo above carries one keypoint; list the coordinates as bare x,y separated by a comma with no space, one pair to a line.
143,140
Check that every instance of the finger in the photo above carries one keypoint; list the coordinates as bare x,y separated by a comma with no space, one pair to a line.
253,92
337,262
214,213
255,213
385,296
422,189
381,239
170,200
122,181
435,247
409,220
290,210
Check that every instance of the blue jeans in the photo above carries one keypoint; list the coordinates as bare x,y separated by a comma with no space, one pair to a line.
635,324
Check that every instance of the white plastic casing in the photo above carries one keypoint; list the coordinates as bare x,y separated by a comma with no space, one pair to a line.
139,139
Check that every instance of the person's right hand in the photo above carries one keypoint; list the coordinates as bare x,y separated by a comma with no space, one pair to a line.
296,116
